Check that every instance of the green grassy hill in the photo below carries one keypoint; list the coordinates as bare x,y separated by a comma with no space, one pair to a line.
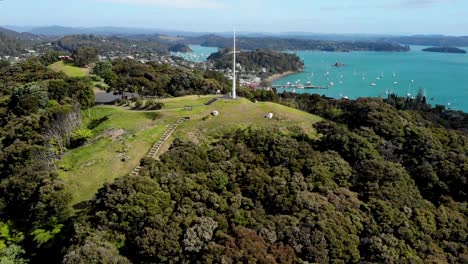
69,69
73,71
125,138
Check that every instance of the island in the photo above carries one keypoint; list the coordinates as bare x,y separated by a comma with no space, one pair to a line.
339,64
445,50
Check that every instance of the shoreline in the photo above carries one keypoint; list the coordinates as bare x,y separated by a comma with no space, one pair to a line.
278,76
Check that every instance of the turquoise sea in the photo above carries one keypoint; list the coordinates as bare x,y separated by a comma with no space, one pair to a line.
199,54
442,77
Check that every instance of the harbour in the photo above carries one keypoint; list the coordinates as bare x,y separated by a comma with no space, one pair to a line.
441,77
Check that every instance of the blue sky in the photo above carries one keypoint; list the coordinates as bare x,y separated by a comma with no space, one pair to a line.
448,17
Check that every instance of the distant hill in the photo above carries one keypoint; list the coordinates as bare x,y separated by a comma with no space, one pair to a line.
18,28
56,31
430,40
281,44
107,31
11,43
110,45
16,35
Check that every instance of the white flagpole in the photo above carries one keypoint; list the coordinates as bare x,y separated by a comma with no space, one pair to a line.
234,68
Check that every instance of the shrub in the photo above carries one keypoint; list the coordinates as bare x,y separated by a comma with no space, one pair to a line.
153,115
139,103
79,137
153,104
97,121
100,86
124,102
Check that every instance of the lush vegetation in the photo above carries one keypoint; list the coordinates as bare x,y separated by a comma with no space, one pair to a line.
122,137
155,79
377,181
84,56
281,44
111,46
119,139
39,112
255,61
445,50
379,185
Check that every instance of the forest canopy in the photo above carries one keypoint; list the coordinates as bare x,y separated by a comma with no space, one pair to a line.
381,181
379,185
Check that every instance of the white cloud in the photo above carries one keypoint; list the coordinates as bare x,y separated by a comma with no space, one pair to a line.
187,4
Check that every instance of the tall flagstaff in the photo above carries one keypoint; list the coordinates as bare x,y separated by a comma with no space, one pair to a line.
234,67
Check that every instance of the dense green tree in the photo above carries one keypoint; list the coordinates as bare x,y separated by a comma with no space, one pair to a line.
84,56
29,99
52,56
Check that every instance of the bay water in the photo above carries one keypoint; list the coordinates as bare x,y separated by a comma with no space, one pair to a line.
442,77
198,54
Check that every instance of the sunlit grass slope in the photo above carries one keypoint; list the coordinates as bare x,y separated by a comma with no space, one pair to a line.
69,69
130,134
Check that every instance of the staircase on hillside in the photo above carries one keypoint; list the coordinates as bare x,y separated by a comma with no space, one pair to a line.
157,146
211,101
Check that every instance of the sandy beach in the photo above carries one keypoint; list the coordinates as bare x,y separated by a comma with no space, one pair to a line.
279,76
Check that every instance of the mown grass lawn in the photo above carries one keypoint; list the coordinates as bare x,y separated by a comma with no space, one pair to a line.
241,114
87,168
69,69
